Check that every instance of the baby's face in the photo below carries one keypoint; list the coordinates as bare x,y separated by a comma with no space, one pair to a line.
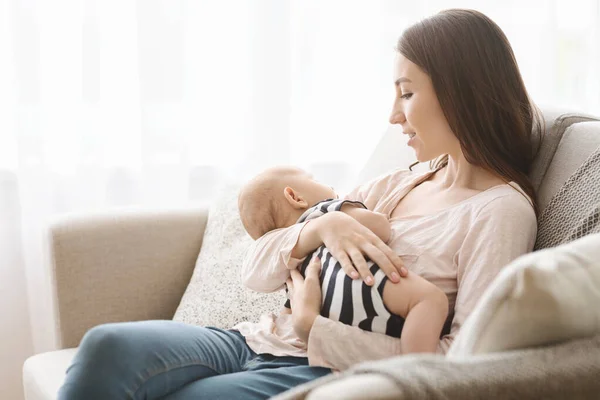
312,190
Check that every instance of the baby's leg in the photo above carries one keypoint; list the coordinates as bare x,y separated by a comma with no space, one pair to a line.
423,306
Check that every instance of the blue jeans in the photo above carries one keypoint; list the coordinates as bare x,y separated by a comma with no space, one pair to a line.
172,361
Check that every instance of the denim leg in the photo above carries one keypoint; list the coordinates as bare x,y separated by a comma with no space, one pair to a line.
263,377
149,359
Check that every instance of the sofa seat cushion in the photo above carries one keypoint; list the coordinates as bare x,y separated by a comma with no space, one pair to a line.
44,374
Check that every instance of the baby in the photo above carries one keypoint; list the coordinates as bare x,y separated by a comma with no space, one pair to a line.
282,196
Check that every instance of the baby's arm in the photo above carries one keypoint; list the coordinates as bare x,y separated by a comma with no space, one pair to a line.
378,223
424,307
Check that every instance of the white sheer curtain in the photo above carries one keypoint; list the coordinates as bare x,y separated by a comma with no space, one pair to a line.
107,103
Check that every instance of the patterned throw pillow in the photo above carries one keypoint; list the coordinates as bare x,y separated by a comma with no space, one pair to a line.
574,211
215,295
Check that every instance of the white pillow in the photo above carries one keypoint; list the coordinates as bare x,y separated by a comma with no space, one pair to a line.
540,298
215,295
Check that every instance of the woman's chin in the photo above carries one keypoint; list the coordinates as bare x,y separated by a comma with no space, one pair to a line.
419,156
422,158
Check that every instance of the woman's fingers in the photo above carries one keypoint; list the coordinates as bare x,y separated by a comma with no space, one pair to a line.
295,276
289,284
384,260
306,298
347,265
394,258
290,287
312,270
361,266
312,287
351,243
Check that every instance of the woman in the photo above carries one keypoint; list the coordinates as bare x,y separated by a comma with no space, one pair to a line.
461,100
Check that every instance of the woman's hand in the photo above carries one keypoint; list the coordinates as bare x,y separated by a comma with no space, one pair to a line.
349,241
305,298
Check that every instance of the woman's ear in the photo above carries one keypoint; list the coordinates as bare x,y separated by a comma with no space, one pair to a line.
294,198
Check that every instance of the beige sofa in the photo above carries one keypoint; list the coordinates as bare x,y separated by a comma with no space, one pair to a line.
135,265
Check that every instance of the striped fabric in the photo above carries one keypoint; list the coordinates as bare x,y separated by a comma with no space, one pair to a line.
344,299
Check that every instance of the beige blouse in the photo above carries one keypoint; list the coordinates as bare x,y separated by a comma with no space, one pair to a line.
460,249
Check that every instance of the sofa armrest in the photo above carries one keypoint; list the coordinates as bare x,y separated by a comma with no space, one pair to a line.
122,266
564,371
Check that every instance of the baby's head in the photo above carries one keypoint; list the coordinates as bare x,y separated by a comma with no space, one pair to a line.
277,197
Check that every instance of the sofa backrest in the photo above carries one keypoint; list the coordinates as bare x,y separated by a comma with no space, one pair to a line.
578,142
569,191
556,122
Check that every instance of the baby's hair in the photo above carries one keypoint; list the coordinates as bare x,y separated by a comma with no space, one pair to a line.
259,206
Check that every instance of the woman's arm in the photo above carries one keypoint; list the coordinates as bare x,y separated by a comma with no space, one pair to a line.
268,261
349,242
502,231
310,238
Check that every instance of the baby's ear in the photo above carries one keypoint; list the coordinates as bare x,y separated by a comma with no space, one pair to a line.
294,198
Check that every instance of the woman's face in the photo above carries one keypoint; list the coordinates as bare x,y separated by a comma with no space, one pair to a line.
417,110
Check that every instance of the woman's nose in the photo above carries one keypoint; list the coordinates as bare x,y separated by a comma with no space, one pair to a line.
397,117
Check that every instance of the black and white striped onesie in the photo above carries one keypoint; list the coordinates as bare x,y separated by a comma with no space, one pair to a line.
343,298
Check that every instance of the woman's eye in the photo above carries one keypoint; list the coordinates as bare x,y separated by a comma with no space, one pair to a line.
406,96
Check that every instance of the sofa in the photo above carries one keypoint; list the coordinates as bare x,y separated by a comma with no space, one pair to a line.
135,265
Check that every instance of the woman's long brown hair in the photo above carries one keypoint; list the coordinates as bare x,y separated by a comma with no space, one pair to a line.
480,89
